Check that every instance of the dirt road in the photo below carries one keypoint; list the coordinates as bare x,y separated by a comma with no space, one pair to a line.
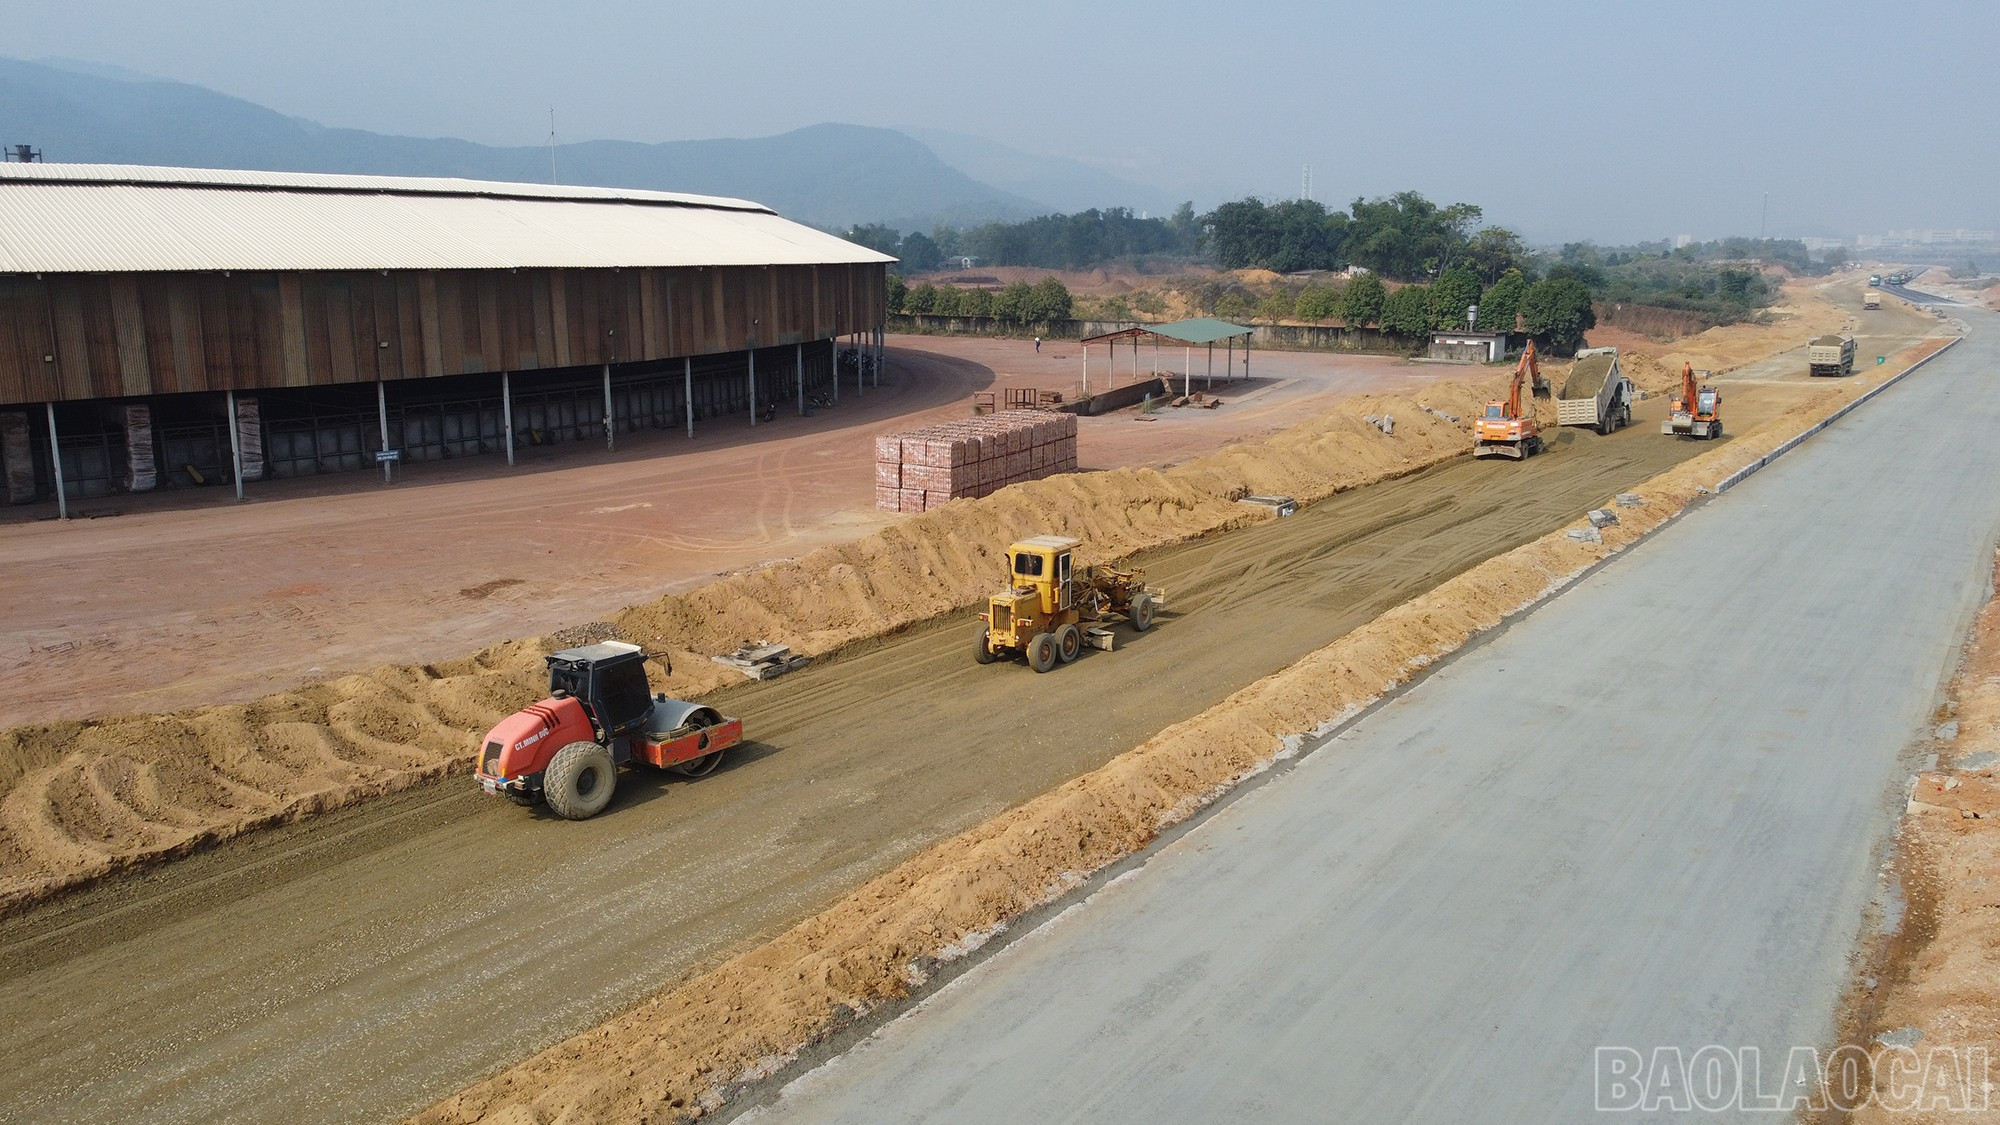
365,962
190,598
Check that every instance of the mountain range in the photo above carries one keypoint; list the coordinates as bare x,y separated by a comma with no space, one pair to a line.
829,175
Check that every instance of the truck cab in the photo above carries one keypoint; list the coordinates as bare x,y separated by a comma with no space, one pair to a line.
1874,280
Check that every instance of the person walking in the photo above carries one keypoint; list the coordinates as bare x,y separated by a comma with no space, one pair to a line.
1038,345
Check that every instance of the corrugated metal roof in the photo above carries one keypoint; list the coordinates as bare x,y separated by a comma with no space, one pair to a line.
74,218
1200,330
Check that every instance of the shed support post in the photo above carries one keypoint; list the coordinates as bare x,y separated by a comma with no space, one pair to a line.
752,353
801,379
836,371
687,390
1246,357
1086,369
860,364
1229,359
382,414
55,462
507,414
881,352
1187,370
610,425
1210,376
235,444
1156,357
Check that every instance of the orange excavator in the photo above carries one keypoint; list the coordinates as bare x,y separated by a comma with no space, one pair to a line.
1502,429
1697,412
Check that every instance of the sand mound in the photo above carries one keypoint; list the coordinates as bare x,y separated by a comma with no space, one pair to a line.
676,1053
1587,376
81,799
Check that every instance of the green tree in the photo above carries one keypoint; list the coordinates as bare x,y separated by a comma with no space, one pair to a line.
876,236
1456,288
1501,301
922,299
1361,302
899,292
1558,313
1277,305
1231,307
1317,303
920,252
1013,302
1492,252
1407,312
1050,300
977,302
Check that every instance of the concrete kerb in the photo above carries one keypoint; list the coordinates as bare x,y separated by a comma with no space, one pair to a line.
1742,474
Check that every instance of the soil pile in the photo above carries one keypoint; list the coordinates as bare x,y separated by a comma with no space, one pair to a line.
677,1053
1587,376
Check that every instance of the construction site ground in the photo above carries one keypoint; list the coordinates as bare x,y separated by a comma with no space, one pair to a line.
380,956
190,597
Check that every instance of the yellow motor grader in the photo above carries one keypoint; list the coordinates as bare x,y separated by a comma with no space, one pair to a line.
1051,609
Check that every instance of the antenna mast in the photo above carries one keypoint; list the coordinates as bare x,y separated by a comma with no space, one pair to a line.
1306,184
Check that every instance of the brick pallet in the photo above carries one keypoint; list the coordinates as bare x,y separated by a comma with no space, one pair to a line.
969,457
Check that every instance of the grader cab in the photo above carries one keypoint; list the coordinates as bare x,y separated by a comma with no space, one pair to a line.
1050,608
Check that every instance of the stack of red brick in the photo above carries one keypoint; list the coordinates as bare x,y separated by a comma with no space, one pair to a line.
976,456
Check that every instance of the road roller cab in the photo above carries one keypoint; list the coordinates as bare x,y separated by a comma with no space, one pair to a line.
600,714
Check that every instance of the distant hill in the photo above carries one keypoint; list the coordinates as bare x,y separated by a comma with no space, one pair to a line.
827,175
1066,185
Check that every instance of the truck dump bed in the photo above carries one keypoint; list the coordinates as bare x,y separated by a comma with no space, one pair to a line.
1588,393
1587,378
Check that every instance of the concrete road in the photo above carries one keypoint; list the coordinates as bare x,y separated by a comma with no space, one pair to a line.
1645,816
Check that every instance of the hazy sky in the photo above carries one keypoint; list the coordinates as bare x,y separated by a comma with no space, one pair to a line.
1563,119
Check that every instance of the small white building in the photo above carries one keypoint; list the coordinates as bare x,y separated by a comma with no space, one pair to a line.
1474,347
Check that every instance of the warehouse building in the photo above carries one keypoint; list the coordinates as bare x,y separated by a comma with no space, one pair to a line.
166,327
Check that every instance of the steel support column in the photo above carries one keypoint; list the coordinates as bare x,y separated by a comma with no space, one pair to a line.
507,414
235,443
687,391
55,462
382,413
610,424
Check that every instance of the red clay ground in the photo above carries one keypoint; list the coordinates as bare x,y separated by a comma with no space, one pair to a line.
192,598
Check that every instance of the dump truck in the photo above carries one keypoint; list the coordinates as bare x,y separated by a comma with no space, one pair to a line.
1871,300
1831,354
600,714
1697,410
1050,609
1596,394
1503,429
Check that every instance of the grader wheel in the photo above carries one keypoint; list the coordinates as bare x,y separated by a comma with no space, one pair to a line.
1042,652
984,653
1069,643
1142,612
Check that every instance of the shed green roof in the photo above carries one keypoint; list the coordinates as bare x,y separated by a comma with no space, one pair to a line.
1201,330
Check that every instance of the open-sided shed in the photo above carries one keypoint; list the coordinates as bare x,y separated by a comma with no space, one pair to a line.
1204,331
